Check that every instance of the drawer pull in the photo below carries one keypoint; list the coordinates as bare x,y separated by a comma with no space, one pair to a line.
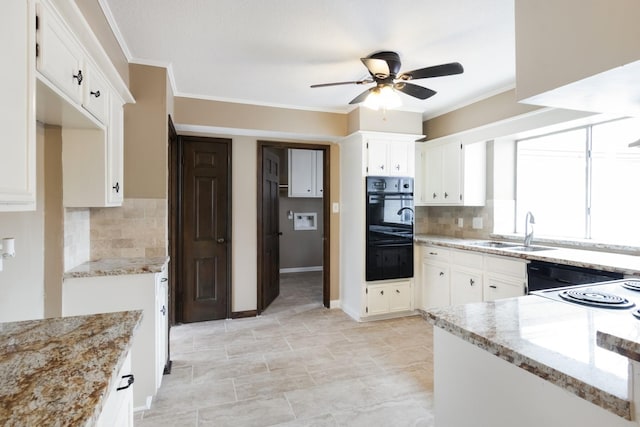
433,253
96,93
493,286
130,381
164,279
78,77
163,310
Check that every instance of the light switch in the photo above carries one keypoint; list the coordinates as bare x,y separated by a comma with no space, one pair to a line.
477,222
460,222
335,208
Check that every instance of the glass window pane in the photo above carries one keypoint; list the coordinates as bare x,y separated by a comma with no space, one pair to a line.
551,183
615,170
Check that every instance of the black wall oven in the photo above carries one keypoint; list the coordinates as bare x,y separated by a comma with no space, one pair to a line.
389,233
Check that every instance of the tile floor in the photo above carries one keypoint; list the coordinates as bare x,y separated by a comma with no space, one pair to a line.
298,364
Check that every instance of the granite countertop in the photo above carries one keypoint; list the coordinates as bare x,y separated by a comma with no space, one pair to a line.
58,371
581,350
606,261
118,267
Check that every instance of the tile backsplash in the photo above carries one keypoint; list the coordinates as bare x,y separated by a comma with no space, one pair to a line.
443,221
77,248
137,229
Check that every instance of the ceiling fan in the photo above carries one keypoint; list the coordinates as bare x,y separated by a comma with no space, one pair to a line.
384,68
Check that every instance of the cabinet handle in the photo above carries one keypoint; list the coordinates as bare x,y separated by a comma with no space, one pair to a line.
96,93
446,195
164,279
381,167
397,291
493,286
308,190
471,282
398,167
433,253
220,240
130,380
381,292
163,310
442,273
434,195
116,187
78,77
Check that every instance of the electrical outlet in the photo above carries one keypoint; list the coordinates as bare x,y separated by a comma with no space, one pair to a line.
460,222
477,222
336,207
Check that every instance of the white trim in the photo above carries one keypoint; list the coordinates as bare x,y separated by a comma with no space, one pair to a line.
115,29
300,269
259,133
334,303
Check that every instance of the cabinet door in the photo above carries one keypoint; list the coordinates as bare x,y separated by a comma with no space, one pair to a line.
497,287
400,155
435,285
59,58
162,324
301,173
17,107
115,153
377,300
95,94
118,406
419,190
466,286
451,173
400,297
433,175
377,157
319,181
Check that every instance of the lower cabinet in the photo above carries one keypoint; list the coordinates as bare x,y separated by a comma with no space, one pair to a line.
453,277
388,298
147,292
118,407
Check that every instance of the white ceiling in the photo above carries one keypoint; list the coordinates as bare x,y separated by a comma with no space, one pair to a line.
269,52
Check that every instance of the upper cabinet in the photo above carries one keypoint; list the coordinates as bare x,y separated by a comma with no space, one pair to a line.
451,174
390,156
579,60
305,173
74,92
17,107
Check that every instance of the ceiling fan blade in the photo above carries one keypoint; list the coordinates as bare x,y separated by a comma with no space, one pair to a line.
435,71
377,67
358,99
414,90
356,82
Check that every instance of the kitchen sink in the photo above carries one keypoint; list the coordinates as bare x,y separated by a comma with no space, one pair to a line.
495,244
530,248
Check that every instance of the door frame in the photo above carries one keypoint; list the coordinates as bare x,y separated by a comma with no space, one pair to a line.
326,212
176,269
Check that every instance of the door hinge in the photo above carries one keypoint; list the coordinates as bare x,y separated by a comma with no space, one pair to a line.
366,291
460,196
37,50
366,309
37,22
461,146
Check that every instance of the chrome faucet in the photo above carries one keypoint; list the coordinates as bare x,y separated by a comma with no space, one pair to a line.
528,235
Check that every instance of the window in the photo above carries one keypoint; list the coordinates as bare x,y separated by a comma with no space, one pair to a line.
580,183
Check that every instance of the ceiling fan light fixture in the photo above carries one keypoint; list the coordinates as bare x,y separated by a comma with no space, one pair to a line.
384,97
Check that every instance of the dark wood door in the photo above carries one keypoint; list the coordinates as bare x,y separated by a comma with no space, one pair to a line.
270,227
205,231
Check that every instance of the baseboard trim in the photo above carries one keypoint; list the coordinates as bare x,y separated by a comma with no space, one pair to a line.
335,303
243,314
300,269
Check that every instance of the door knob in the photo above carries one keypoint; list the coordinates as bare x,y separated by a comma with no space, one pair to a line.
220,240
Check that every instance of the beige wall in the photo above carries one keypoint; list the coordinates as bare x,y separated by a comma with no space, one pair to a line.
561,41
53,222
145,134
22,278
94,15
392,121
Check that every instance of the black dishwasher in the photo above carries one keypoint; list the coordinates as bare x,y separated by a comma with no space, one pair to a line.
547,275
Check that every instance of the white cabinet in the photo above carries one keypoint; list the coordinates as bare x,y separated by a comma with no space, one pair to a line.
504,277
305,173
387,298
453,174
147,292
452,277
17,107
118,406
95,93
92,162
466,277
434,277
390,157
59,57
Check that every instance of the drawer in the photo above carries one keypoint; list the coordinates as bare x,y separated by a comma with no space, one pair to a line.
467,259
434,253
508,266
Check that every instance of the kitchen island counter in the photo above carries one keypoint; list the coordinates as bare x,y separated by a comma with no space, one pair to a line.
118,267
59,371
581,351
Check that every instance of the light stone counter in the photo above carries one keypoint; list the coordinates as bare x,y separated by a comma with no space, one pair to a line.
565,344
118,267
58,371
606,261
